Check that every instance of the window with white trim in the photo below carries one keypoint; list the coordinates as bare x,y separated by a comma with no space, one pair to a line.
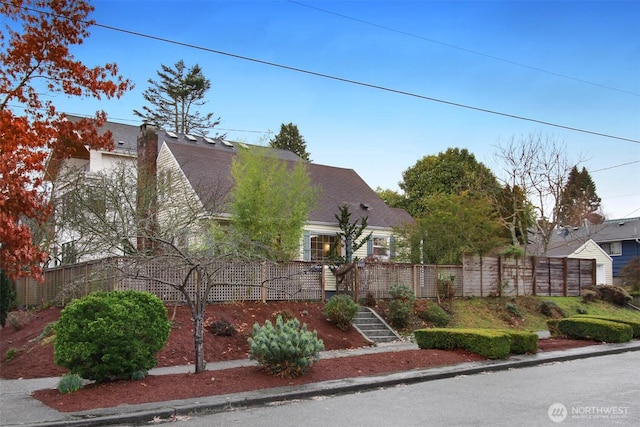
321,246
612,248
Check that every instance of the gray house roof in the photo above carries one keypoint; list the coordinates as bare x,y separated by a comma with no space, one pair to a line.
208,169
566,240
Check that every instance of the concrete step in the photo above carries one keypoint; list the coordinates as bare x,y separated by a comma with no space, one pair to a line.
373,327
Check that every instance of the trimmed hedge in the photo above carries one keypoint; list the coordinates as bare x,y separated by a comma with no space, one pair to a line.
552,325
493,344
522,342
595,329
634,325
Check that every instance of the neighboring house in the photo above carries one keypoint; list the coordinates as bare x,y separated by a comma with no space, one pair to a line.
578,248
200,167
618,238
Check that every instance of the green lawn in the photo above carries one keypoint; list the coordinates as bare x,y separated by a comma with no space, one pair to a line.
523,312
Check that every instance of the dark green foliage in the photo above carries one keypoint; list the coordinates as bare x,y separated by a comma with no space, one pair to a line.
7,297
69,383
286,350
435,314
595,329
579,201
552,325
492,344
634,325
290,139
222,328
350,237
402,292
400,313
581,310
340,310
111,335
522,342
550,309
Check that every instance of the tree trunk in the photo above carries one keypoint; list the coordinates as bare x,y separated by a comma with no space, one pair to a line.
198,339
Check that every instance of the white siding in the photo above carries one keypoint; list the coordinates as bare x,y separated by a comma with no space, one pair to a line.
591,250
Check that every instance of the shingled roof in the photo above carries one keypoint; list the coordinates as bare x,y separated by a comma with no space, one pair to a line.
205,168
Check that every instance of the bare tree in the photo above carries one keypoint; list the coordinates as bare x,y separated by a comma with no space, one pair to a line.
538,166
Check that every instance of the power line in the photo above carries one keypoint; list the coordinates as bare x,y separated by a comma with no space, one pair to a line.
616,166
497,58
354,82
359,83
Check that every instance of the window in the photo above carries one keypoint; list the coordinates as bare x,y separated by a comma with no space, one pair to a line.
381,248
321,246
69,253
612,248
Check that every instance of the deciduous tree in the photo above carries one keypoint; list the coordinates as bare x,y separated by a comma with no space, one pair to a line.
271,201
35,58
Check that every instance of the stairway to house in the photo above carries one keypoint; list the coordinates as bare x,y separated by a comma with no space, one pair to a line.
373,327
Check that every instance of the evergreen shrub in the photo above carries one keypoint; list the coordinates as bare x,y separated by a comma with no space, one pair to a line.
493,344
634,325
435,314
595,329
340,310
111,335
287,349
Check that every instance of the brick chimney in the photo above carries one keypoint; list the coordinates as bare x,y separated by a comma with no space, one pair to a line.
147,194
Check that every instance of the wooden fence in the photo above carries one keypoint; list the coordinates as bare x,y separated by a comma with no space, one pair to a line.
261,281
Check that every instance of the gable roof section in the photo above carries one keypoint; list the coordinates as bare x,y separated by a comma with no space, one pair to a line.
207,170
609,231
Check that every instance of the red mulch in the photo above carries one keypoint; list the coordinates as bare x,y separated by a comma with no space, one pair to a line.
34,359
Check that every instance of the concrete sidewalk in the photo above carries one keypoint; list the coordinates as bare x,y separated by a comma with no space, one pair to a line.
17,407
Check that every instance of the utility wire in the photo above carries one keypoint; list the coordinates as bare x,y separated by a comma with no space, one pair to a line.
616,166
497,58
359,83
350,81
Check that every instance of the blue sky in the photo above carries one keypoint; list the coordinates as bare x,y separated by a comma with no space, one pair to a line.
575,64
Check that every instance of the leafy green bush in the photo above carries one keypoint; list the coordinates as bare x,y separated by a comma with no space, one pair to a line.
340,310
111,335
400,312
11,353
552,325
493,344
634,325
69,383
522,342
435,314
595,329
287,349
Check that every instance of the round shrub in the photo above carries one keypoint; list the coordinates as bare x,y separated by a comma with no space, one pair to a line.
287,349
402,292
340,310
111,335
400,312
435,314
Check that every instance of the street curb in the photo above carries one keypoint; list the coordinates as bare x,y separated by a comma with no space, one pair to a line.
211,404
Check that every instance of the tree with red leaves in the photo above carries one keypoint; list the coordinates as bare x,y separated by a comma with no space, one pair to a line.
35,59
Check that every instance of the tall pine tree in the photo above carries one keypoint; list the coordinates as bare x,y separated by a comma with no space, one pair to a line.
579,201
290,139
174,99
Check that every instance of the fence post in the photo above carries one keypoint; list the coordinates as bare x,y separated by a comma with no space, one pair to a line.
534,274
263,277
565,275
322,284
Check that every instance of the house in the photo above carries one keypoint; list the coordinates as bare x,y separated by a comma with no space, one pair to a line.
200,166
618,238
